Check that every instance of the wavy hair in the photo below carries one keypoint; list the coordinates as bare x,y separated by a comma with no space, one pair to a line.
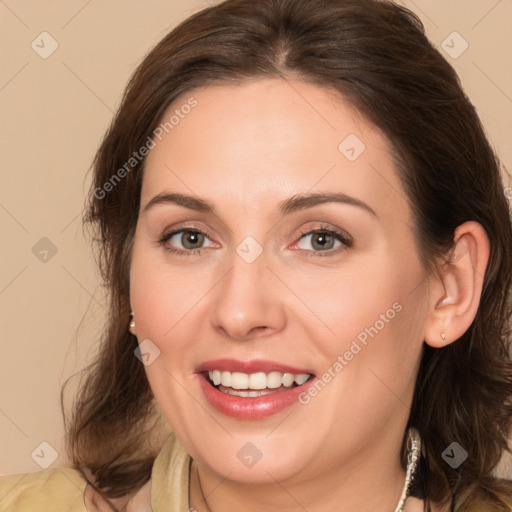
375,53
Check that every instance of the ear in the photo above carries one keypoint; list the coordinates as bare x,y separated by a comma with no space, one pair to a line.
455,294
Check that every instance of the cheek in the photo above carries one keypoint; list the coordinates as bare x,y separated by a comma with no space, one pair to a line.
161,294
358,298
162,298
376,313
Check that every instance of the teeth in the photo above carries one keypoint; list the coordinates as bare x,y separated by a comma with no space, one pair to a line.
245,394
216,377
256,381
301,378
226,379
274,380
239,380
288,379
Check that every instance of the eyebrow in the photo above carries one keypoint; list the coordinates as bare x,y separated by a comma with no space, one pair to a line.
293,204
304,201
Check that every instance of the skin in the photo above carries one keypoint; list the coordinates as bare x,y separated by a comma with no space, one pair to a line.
246,148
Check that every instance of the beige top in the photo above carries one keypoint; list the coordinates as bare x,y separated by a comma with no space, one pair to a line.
65,490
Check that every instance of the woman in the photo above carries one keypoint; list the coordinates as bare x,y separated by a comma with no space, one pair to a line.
307,244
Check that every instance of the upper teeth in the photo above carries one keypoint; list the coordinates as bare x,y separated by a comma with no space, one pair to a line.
260,380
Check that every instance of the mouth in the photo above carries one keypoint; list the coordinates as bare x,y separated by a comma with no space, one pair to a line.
252,390
254,384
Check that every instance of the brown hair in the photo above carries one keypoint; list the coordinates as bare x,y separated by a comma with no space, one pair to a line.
374,53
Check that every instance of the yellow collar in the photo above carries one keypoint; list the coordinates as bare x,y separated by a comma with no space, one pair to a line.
170,478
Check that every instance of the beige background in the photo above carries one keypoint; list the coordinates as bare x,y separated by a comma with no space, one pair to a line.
54,112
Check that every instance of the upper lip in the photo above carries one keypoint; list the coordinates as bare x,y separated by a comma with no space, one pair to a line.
253,366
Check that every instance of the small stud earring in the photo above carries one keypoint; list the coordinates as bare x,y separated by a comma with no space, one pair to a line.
443,336
132,324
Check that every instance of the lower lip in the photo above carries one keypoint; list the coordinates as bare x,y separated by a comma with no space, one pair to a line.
251,408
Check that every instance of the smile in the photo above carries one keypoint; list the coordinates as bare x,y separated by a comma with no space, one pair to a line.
255,384
236,389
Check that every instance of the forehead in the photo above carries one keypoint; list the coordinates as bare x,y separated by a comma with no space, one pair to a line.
266,140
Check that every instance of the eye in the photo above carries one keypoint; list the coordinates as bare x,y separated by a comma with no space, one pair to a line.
184,241
323,240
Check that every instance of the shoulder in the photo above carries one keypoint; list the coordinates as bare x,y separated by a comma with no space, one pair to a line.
53,489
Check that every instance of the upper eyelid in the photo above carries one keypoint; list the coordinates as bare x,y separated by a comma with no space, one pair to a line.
323,228
167,233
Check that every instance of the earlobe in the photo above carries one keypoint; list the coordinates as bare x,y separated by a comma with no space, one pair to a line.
455,294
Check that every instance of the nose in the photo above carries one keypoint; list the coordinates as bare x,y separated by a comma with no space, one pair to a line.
246,303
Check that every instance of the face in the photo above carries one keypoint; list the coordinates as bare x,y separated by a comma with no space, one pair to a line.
289,327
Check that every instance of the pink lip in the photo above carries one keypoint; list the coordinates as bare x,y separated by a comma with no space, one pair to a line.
247,408
254,366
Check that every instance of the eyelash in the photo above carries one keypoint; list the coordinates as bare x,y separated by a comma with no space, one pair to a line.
346,241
